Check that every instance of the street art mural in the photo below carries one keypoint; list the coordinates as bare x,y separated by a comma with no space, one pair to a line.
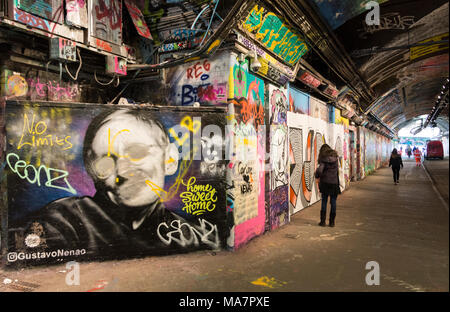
346,155
298,101
306,137
246,135
38,86
204,81
106,20
274,34
51,10
103,183
77,14
277,191
361,146
318,109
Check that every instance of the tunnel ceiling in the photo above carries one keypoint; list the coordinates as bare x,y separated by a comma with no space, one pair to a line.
406,80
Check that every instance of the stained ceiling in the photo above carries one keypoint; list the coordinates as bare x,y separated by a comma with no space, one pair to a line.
404,59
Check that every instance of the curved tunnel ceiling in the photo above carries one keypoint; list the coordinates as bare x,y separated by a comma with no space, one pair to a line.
406,79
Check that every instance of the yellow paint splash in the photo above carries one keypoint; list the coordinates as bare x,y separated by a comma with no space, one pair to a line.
268,282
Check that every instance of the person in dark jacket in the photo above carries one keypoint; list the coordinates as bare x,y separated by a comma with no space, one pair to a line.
328,173
395,162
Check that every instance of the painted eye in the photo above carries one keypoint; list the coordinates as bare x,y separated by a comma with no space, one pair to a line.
136,151
104,167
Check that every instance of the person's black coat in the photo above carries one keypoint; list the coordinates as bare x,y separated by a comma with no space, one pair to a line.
395,162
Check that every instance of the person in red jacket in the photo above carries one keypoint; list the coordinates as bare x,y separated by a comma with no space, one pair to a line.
417,156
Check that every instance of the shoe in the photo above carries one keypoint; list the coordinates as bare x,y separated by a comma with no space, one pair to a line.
332,217
323,216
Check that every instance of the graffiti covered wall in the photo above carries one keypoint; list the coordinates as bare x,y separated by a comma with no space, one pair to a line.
245,174
204,81
274,34
306,136
93,184
277,188
38,85
298,101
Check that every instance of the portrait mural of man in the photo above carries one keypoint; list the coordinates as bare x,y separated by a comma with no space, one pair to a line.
145,196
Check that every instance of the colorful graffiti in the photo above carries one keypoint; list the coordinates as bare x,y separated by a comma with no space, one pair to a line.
138,19
203,81
274,34
107,20
298,101
48,9
77,14
306,136
33,87
277,196
98,182
245,173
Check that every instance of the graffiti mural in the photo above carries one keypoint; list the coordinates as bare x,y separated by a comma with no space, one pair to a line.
93,184
298,102
270,30
106,19
318,109
204,81
77,14
36,85
51,10
278,197
245,174
306,136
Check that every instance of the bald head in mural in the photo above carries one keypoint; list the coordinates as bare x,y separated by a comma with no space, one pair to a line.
128,155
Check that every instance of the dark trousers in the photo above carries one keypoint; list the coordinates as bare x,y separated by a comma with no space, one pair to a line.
325,202
396,172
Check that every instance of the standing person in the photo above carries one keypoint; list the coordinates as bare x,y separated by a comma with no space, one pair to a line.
328,173
408,151
395,162
417,156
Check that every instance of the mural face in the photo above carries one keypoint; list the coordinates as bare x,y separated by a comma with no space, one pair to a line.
112,183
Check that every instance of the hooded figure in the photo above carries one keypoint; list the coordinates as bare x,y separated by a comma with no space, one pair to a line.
328,173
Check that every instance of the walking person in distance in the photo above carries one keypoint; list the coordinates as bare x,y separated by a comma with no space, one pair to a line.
395,162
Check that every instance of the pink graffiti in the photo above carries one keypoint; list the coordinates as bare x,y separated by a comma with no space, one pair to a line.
209,93
54,89
74,5
113,13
